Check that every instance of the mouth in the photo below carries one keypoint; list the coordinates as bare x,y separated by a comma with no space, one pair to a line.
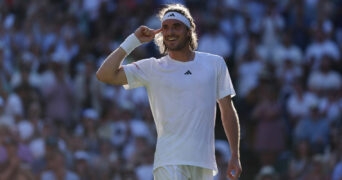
171,39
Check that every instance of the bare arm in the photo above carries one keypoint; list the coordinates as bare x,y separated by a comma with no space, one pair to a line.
231,127
111,71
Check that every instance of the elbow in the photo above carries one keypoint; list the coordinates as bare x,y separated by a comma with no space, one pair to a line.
107,78
100,76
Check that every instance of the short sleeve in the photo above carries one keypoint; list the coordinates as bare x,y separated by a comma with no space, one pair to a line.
224,82
137,73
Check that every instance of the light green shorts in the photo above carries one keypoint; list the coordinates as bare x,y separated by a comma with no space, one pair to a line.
182,172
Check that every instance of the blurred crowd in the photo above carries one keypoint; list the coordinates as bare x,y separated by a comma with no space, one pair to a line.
58,122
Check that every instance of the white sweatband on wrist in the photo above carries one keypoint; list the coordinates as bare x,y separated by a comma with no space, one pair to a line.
130,43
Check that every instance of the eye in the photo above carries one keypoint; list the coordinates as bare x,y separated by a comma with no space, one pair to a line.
177,26
164,27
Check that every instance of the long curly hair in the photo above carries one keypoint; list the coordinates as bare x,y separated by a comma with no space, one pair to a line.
184,11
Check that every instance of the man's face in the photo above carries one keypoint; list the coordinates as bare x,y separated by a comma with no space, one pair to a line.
175,35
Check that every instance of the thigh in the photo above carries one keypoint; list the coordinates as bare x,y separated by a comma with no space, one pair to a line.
171,172
182,172
199,173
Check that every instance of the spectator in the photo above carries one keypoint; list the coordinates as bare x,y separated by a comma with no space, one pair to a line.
267,173
317,169
106,163
287,49
272,23
15,104
88,87
300,160
287,73
34,120
5,118
56,168
58,96
298,103
82,166
315,128
120,130
13,167
331,106
18,148
319,47
249,68
46,142
26,73
87,128
270,134
298,21
66,43
15,158
143,161
214,41
324,78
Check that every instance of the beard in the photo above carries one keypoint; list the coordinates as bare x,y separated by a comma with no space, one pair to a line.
177,46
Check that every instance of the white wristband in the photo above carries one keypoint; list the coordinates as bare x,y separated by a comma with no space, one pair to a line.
130,43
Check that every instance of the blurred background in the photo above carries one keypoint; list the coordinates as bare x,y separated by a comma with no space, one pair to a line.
58,122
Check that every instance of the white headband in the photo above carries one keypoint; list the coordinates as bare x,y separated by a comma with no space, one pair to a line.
177,16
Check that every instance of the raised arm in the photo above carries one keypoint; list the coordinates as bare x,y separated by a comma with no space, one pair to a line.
231,127
111,71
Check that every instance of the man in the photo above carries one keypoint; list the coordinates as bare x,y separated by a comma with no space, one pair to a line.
183,87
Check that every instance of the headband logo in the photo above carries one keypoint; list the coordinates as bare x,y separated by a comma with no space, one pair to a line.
177,16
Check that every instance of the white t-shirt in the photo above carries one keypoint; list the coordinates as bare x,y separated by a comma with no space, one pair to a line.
183,99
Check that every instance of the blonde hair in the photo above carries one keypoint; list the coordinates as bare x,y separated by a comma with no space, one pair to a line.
184,11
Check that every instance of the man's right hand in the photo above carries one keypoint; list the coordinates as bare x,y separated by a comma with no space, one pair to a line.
110,70
145,34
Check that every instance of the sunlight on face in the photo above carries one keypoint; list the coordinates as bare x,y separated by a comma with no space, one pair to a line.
175,35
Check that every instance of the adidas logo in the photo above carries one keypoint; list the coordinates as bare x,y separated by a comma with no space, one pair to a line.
188,72
171,15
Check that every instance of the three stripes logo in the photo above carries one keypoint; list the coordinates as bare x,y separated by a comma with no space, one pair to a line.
188,72
171,15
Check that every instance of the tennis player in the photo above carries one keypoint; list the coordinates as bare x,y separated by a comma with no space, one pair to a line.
183,87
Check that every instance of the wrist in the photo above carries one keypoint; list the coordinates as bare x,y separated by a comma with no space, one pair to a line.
130,43
235,155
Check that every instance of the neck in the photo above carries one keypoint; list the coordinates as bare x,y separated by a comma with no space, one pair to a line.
184,55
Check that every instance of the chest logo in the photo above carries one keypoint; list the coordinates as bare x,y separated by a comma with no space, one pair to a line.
188,72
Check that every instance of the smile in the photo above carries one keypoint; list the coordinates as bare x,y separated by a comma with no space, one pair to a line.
171,39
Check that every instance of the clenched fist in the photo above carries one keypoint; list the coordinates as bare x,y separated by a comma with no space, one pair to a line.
145,34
